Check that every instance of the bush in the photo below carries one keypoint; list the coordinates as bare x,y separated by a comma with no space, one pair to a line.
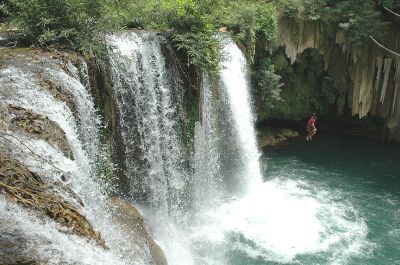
267,83
190,24
359,18
56,23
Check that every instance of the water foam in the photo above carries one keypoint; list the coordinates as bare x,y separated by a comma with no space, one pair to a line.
280,221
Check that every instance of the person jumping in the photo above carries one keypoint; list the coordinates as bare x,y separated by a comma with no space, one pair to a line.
311,130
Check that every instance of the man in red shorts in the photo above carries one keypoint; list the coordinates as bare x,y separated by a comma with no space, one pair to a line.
311,127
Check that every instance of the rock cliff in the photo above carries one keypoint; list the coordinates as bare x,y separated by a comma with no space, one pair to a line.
325,73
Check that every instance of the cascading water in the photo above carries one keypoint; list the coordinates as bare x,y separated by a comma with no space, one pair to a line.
148,97
261,222
23,85
207,181
234,83
216,211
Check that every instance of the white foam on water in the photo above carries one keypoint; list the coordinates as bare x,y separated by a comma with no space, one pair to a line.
281,220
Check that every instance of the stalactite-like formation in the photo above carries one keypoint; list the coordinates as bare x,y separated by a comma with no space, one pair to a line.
374,72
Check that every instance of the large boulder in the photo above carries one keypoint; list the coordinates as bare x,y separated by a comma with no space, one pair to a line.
131,222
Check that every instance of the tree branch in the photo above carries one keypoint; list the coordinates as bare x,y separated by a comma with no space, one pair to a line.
3,134
383,47
390,11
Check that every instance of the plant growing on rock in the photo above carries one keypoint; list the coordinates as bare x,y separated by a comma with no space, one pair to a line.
268,83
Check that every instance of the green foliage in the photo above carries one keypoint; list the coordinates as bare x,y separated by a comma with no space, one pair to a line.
267,82
47,23
302,9
257,16
390,3
359,18
202,49
191,25
308,88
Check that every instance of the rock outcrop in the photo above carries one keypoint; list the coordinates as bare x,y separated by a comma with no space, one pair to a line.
20,120
131,221
273,136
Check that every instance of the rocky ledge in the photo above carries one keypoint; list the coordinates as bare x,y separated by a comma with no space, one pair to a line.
274,136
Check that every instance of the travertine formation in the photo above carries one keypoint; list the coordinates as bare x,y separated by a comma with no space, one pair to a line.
374,72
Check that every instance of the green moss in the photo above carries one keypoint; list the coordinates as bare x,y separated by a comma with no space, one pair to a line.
191,121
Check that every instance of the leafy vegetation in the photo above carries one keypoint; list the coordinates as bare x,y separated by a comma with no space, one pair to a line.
191,25
267,82
359,18
62,23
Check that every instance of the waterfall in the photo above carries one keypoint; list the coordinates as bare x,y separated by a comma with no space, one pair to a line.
59,91
234,83
207,181
148,96
226,154
204,200
253,221
186,191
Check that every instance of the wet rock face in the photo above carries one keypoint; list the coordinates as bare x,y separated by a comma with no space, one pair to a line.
12,249
58,93
38,114
131,221
17,119
36,61
26,188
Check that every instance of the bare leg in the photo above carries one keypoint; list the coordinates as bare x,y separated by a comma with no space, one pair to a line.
308,137
312,134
